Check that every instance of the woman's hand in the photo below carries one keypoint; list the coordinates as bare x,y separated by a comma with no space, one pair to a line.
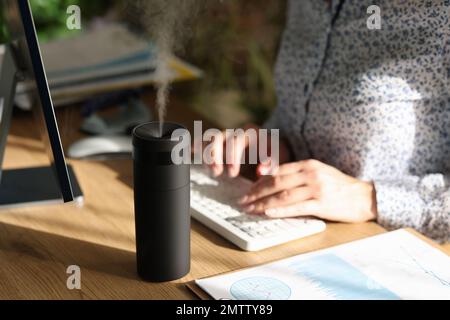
312,188
231,163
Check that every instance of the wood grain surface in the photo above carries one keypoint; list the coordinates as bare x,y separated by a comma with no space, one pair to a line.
37,244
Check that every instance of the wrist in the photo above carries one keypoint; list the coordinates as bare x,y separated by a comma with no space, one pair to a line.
372,211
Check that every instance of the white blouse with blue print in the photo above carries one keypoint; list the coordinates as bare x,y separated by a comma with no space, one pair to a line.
373,103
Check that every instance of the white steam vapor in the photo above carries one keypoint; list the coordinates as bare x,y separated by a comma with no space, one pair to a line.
169,24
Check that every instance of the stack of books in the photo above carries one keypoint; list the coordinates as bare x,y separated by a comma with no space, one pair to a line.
107,58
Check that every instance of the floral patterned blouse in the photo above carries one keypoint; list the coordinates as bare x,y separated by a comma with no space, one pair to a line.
374,103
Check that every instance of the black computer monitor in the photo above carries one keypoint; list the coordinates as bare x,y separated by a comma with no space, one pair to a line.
22,61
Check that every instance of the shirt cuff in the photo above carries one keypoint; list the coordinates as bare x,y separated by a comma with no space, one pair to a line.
398,206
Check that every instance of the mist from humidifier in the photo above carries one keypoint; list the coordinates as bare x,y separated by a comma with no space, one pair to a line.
168,24
162,90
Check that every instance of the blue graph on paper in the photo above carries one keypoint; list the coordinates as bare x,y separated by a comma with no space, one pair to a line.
339,279
260,288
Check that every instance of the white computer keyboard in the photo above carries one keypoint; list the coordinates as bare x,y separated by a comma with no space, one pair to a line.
214,203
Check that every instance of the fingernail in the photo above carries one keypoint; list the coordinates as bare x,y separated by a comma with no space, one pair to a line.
249,209
232,173
243,200
216,171
249,199
271,212
264,171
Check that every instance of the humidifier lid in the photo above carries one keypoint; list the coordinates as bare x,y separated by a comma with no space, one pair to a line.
148,136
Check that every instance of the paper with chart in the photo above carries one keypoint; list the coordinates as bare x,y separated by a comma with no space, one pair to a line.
395,265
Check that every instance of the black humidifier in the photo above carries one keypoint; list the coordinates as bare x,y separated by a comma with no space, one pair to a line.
161,200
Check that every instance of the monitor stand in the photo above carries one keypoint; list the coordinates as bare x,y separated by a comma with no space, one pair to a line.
28,186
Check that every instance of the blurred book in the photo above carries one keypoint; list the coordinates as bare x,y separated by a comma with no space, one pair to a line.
103,59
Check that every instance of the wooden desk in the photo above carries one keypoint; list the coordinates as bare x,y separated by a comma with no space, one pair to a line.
37,244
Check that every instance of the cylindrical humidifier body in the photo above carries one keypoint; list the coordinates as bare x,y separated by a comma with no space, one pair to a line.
162,202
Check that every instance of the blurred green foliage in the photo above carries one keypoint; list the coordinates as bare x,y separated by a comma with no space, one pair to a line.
50,16
3,30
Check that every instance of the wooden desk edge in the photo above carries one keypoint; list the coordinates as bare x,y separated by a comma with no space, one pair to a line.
199,292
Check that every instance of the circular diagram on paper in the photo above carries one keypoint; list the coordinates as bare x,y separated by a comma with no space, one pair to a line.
260,288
